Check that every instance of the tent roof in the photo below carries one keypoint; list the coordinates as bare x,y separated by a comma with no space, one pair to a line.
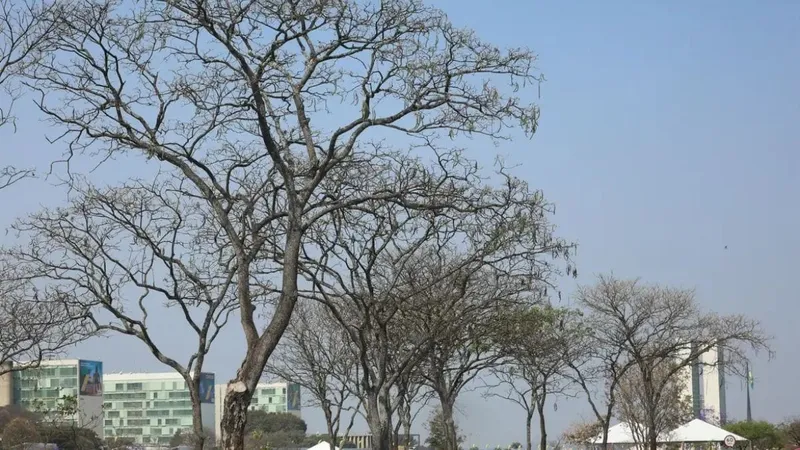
323,446
699,431
618,434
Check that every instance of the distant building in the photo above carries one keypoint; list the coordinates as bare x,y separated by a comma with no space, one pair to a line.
365,440
44,388
268,397
151,407
704,382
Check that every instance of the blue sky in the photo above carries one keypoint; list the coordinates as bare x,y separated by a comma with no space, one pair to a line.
669,130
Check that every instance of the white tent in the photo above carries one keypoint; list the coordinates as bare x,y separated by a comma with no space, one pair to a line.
699,431
618,434
323,446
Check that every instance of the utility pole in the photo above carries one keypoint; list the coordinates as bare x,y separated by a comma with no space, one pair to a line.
749,385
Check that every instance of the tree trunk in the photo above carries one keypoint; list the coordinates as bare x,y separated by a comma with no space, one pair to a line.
240,390
528,439
379,422
234,415
451,434
199,438
542,427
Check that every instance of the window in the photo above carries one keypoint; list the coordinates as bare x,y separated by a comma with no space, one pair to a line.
108,405
138,422
109,423
119,387
134,414
155,430
157,413
132,404
179,394
270,391
182,412
134,386
172,422
112,414
269,399
155,394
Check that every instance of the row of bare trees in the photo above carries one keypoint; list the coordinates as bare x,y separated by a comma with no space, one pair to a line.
306,155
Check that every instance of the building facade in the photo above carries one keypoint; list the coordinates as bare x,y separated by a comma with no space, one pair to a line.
151,407
69,391
269,397
704,381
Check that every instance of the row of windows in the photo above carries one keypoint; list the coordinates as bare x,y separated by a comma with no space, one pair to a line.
165,433
270,400
141,422
149,386
169,404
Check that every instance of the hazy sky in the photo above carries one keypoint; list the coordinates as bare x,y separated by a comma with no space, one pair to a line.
670,129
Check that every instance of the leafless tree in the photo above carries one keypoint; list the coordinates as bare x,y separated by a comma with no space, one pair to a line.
463,350
259,105
583,432
316,354
674,408
533,340
660,331
120,254
390,264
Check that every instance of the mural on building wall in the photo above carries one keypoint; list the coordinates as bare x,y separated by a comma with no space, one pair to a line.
293,397
206,388
91,378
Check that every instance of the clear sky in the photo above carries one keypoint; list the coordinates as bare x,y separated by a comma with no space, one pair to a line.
669,130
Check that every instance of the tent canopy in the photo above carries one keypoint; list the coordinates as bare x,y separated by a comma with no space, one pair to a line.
699,431
694,431
324,445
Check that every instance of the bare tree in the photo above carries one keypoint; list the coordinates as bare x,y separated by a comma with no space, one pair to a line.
533,340
316,354
259,104
463,350
660,331
390,264
412,397
674,408
121,254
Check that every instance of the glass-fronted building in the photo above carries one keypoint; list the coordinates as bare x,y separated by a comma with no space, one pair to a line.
151,407
48,387
269,397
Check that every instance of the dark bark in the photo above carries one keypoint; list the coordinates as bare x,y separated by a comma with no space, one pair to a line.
451,433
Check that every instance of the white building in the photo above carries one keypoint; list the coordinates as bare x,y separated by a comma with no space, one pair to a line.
268,397
44,389
704,382
151,407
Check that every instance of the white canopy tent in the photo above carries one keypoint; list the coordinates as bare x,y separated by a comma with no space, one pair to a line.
323,446
694,432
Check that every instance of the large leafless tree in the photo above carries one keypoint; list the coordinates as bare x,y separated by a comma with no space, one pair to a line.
659,332
123,253
385,268
267,109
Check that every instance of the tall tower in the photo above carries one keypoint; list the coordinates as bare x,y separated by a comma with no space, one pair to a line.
704,381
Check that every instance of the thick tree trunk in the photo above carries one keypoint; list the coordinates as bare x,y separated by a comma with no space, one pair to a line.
451,434
240,390
234,415
380,423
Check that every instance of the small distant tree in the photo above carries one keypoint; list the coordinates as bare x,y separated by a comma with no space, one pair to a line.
583,432
761,434
258,420
791,431
11,412
438,430
19,431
